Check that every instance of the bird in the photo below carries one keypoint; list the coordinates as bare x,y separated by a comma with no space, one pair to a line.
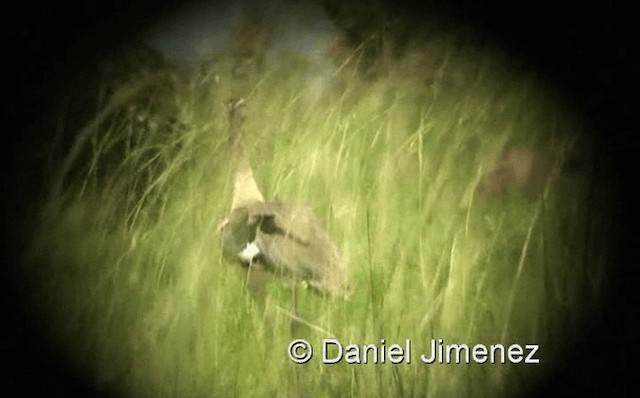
521,170
534,172
287,239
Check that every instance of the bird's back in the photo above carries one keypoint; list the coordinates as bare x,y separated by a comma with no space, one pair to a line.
294,241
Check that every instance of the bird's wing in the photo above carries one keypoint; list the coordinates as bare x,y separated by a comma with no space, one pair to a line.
296,222
293,239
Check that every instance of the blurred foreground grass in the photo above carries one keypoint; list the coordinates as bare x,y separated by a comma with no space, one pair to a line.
126,273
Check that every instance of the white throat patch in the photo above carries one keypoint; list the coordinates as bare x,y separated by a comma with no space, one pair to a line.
249,253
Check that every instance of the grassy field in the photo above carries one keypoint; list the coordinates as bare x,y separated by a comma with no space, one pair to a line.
128,279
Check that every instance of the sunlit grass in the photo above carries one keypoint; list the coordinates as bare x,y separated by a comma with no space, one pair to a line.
128,276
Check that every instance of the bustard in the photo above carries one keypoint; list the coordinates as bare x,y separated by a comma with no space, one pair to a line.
287,239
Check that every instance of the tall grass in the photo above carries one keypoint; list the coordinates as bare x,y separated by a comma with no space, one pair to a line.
127,272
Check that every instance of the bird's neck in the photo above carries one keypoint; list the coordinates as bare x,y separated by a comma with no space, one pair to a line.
245,188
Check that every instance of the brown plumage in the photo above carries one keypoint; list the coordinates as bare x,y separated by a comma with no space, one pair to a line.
285,238
530,171
517,169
